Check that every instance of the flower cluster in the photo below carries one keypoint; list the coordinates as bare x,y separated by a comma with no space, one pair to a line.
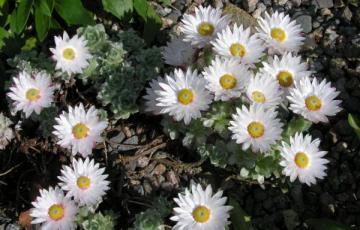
259,76
84,184
240,106
79,130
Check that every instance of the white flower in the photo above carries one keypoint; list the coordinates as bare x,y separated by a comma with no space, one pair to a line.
200,210
53,210
238,44
85,181
255,127
178,53
226,78
150,96
203,27
31,94
280,33
79,130
302,159
287,70
314,101
263,89
6,133
183,95
71,54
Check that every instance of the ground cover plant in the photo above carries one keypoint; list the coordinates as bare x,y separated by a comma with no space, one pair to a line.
179,115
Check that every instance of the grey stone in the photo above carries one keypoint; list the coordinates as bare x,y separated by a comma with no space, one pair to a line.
323,3
343,128
338,3
250,5
296,2
259,9
309,43
267,2
306,23
291,219
281,2
347,14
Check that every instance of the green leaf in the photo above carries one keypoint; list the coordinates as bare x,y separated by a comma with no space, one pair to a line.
20,16
42,18
266,165
296,125
2,2
141,7
3,34
73,12
321,224
152,19
118,7
166,2
54,24
239,219
46,6
30,44
354,123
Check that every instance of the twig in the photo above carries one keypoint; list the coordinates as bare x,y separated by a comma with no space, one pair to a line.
11,169
143,151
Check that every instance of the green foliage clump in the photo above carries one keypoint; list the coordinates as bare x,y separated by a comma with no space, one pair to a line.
118,70
87,219
126,68
210,137
152,218
32,61
46,120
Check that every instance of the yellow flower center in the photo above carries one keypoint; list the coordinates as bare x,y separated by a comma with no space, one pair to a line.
285,78
83,182
201,214
258,97
80,131
278,34
313,103
56,211
228,81
33,94
256,129
237,50
185,96
69,54
302,160
205,29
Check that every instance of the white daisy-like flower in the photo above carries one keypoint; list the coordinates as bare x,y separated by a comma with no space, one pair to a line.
53,210
200,210
313,100
6,132
256,127
71,54
201,28
31,93
264,90
280,33
302,159
238,43
150,96
85,181
183,95
287,70
79,130
178,52
226,78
